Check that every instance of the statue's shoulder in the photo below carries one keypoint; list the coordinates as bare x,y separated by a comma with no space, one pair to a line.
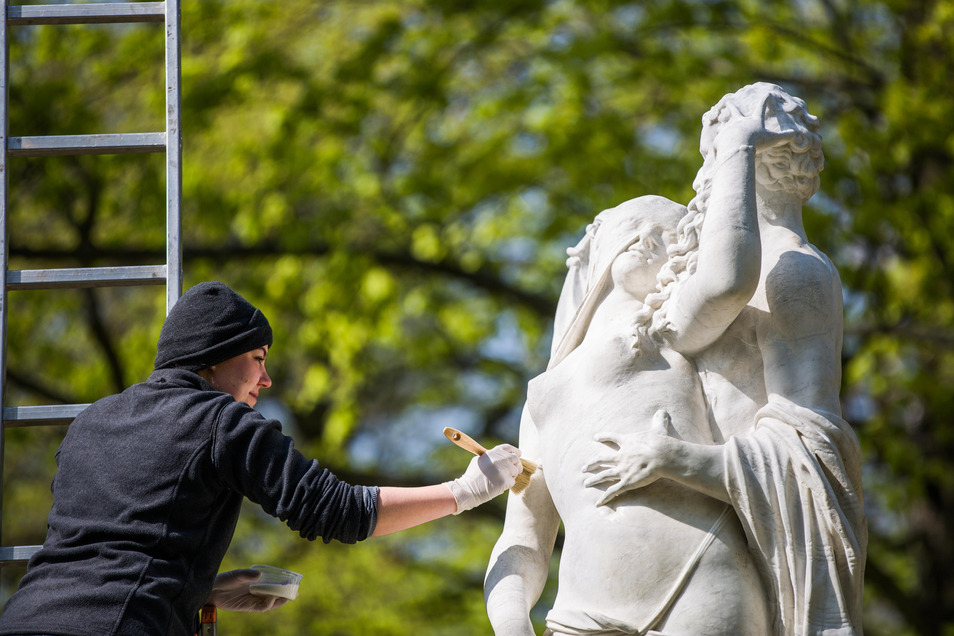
652,203
797,265
801,292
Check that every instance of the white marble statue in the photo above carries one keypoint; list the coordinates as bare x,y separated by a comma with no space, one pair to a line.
688,423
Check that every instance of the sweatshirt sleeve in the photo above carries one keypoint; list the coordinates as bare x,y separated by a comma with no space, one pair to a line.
254,458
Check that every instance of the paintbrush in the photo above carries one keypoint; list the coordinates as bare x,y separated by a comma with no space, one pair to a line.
470,444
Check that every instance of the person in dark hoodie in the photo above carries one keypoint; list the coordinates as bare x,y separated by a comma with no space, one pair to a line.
150,482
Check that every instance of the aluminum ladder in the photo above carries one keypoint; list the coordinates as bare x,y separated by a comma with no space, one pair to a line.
169,141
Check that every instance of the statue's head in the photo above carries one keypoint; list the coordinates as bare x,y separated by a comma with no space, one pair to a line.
641,228
791,167
624,248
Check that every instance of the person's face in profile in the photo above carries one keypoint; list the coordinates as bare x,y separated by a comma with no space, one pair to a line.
242,377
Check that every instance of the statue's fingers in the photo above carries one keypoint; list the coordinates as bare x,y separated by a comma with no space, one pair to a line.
607,438
783,129
604,458
599,478
611,493
784,136
734,111
769,106
597,464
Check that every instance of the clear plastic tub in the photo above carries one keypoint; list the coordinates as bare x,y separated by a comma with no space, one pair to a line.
275,582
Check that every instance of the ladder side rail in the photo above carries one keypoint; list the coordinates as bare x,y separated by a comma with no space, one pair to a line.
173,155
4,205
170,142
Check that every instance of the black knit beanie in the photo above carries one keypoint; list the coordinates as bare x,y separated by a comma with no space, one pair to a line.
209,324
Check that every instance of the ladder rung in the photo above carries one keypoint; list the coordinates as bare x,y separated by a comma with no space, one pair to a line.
74,278
86,144
41,415
17,554
96,13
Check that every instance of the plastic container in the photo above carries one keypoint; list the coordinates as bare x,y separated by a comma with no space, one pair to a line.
275,582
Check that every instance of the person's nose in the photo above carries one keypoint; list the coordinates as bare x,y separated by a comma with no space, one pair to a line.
264,381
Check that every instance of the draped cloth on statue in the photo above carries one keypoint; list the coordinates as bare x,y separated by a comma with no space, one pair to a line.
795,482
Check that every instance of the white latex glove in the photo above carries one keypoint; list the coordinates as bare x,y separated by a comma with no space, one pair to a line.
486,476
231,592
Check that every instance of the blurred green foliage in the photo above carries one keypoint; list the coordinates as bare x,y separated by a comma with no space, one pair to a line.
395,184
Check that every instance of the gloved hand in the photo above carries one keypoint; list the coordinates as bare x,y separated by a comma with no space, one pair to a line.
231,592
486,476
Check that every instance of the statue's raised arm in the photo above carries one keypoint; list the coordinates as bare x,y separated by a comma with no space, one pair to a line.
713,269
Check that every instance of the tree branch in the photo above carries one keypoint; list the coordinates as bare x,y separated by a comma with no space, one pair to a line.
32,385
105,339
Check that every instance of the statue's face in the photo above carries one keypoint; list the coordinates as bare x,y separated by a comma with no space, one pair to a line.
635,268
707,138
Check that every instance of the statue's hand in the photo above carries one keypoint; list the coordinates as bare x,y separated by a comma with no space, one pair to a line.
771,127
631,460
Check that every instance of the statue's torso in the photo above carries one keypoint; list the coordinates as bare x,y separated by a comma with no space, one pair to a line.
787,340
732,376
622,559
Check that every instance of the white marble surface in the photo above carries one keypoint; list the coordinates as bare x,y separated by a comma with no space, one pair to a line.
688,423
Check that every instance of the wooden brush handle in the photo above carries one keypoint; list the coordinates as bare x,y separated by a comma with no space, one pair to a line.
464,441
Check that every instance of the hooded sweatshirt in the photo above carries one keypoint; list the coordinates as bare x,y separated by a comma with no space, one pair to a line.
147,493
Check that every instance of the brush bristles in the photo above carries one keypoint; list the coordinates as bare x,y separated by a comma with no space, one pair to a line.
523,479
